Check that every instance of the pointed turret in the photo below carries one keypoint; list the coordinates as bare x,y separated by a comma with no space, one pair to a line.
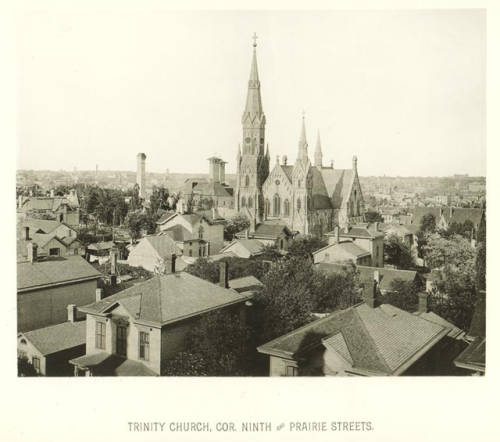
318,154
303,142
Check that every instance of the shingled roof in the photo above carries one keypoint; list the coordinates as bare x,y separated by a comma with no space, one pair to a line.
58,337
164,299
53,271
379,341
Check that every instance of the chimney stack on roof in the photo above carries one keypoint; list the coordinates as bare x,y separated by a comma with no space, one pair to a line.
98,294
52,193
26,233
423,302
370,291
285,160
170,267
224,275
32,252
71,312
331,164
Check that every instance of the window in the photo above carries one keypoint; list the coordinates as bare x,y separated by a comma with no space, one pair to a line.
190,252
286,207
247,180
55,251
281,244
359,212
36,364
276,205
200,232
100,335
121,340
299,182
144,346
250,202
291,371
266,207
298,204
376,254
243,201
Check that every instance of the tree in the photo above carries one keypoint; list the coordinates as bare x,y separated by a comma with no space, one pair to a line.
455,251
480,264
397,253
217,345
464,229
335,291
285,302
372,216
159,199
234,225
25,368
403,294
304,247
237,268
138,221
428,223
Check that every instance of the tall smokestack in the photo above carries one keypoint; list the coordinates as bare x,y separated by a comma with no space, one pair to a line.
222,171
141,174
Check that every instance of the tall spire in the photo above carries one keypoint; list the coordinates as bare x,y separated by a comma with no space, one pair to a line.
303,141
318,154
254,102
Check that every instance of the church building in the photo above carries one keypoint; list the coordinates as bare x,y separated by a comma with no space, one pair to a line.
309,198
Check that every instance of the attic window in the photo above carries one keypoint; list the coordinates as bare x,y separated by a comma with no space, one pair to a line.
23,341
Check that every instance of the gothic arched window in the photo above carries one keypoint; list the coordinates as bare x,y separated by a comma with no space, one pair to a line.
243,201
200,232
358,207
250,202
286,207
298,204
299,183
276,205
266,207
247,180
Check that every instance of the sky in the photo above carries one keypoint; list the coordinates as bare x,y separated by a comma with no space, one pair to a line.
404,91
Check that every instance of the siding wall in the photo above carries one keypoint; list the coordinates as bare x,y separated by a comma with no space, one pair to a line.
45,307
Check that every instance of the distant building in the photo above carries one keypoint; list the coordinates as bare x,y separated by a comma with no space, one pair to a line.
244,248
269,234
46,286
154,253
65,209
141,174
135,332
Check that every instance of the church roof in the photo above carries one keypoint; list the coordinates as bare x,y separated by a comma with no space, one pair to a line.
338,183
253,106
212,188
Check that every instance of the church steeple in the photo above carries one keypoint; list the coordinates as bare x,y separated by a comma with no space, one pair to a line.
318,154
253,105
303,142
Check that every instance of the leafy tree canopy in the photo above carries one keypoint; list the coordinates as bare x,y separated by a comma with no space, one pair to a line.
372,216
397,253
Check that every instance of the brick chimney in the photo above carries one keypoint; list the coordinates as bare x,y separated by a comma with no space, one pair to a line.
423,299
113,255
370,291
26,233
224,275
71,312
32,252
98,294
285,160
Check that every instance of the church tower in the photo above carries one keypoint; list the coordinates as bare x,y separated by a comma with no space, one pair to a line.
252,159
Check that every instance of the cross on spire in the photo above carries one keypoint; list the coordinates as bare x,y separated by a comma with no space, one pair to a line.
254,38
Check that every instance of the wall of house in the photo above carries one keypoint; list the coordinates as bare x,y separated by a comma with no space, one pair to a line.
72,218
44,307
144,255
29,351
277,366
133,330
214,234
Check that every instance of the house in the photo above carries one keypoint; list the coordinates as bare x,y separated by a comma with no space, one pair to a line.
51,237
244,248
99,251
366,339
137,330
50,348
269,234
473,358
153,253
368,237
65,209
245,284
384,276
206,226
46,286
342,252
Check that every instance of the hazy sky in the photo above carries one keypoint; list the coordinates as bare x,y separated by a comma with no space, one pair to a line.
404,91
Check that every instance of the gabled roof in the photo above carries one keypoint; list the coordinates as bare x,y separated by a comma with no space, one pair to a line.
380,341
419,212
474,356
212,188
287,169
110,364
178,233
58,337
164,245
45,225
387,276
168,298
253,246
343,251
165,216
362,230
268,230
53,271
338,184
460,215
320,197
